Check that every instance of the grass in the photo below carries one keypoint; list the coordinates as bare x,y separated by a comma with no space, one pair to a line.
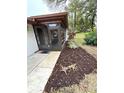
79,38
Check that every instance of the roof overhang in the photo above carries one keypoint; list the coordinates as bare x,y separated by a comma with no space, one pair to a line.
61,17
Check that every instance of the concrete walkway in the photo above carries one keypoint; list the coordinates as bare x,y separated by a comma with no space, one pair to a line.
34,60
38,77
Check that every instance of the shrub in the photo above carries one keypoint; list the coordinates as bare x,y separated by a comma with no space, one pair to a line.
71,35
91,38
72,44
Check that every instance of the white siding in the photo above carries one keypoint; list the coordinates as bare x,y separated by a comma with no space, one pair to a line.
31,41
66,37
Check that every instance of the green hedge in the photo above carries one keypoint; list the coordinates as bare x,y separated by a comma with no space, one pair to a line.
91,38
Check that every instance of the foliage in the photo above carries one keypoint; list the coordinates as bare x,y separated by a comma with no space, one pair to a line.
57,1
91,38
71,35
72,44
56,5
82,18
79,38
82,15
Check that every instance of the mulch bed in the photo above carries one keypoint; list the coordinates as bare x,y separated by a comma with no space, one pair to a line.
83,62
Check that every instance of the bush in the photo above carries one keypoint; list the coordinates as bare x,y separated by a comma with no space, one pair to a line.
72,44
71,35
91,38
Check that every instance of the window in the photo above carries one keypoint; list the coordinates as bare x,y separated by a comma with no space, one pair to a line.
52,25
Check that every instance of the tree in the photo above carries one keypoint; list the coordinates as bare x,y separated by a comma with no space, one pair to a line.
57,5
57,1
82,13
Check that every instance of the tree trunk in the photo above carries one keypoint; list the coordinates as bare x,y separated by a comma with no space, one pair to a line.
74,20
93,19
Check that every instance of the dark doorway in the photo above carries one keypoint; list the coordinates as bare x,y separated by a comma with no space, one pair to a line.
47,39
42,37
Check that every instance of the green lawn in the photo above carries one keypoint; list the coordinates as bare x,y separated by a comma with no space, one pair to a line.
79,38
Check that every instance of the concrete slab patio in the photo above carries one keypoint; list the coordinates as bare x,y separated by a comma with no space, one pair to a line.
39,75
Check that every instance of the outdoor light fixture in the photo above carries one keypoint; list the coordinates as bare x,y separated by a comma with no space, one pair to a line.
52,25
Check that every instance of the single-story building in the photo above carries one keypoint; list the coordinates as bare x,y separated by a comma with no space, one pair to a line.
46,32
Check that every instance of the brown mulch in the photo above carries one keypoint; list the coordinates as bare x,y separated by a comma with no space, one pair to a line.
85,64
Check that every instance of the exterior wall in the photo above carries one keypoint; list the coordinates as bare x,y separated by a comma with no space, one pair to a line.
66,35
31,41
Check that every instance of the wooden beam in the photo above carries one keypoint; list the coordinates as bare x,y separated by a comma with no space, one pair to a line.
50,15
50,18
